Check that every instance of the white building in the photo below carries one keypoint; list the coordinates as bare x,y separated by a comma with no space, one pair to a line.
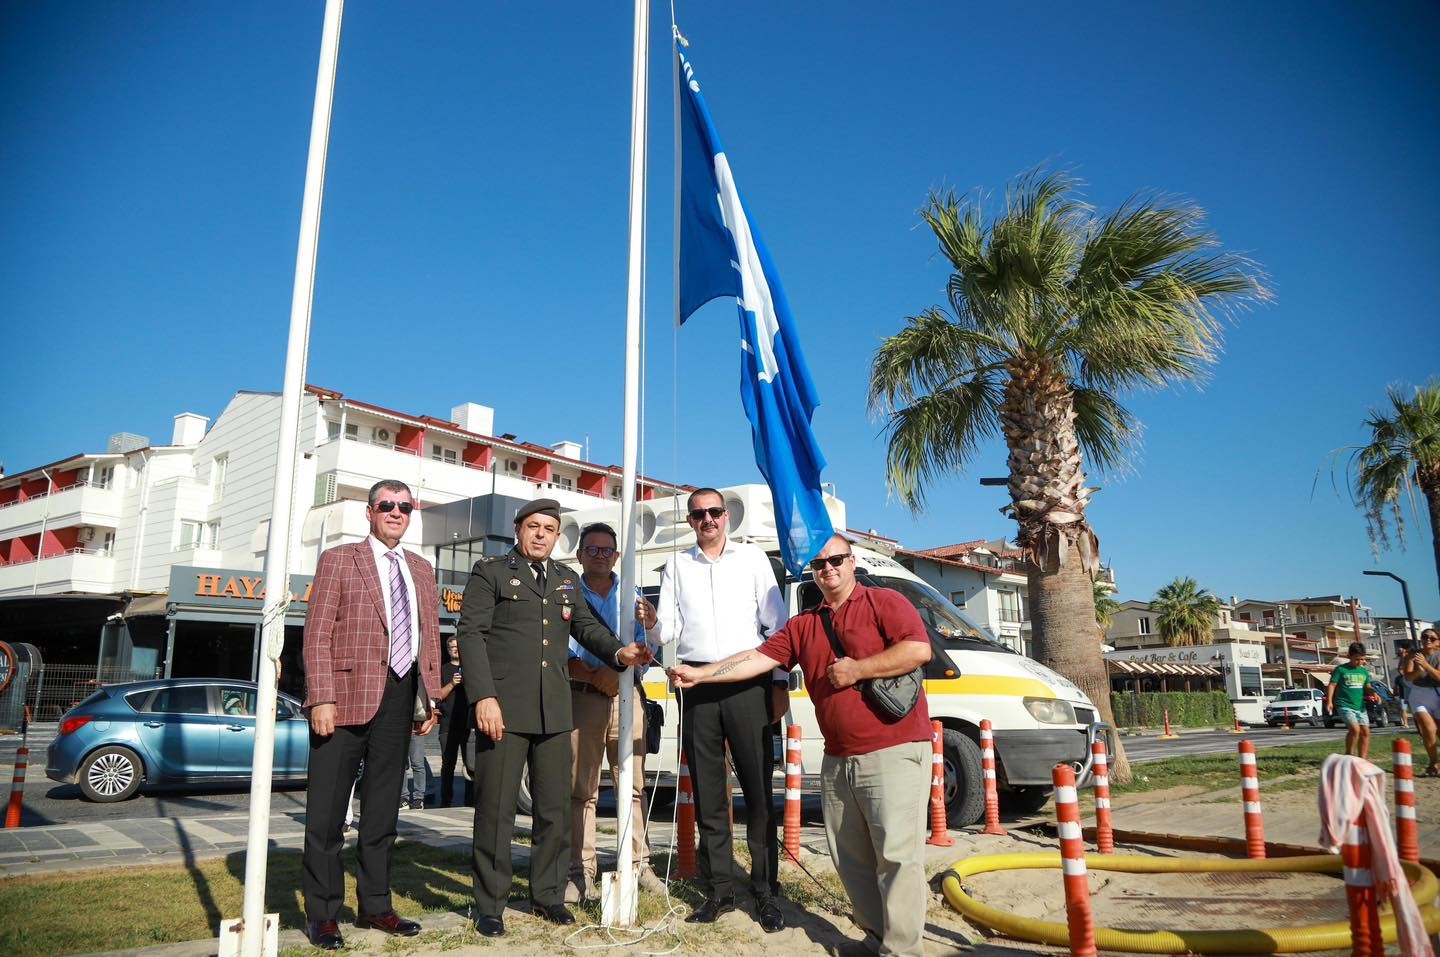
118,524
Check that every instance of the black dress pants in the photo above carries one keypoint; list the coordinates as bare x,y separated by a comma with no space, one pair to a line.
498,767
383,744
738,714
456,727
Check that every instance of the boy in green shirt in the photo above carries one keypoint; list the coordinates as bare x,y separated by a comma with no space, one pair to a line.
1345,698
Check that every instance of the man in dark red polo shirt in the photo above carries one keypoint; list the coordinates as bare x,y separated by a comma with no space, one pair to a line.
874,781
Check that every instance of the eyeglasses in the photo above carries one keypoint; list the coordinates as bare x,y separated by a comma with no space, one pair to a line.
697,514
390,505
598,551
834,561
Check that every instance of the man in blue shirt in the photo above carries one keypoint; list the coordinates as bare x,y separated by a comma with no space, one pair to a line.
595,704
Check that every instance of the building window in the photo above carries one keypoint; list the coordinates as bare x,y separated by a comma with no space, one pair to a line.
104,476
217,477
352,432
957,598
107,547
1009,606
615,492
195,534
332,430
441,454
1144,624
565,482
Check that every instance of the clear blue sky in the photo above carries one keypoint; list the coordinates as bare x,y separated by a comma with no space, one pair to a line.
473,241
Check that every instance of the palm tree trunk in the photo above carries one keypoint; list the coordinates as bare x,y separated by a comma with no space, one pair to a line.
1058,599
1431,490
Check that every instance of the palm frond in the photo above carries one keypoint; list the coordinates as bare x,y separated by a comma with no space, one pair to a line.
1108,433
939,433
929,354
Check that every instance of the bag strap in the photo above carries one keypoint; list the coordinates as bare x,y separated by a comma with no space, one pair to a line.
825,619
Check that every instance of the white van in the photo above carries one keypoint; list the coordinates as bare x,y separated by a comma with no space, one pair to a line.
1039,718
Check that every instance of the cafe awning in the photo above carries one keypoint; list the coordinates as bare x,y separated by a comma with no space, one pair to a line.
1161,669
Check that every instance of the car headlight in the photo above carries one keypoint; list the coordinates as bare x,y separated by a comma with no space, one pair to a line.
1050,710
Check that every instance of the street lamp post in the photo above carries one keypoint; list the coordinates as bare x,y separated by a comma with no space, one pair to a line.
1405,593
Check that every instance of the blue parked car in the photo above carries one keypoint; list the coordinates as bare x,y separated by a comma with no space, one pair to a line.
175,731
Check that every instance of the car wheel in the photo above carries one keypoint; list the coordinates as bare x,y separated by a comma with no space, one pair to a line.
1024,800
110,774
964,789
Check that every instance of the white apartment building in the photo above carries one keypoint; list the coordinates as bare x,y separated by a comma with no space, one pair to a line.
985,579
117,531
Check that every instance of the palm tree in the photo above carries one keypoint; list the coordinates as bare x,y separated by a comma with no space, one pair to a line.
1403,454
1106,607
1185,613
1054,311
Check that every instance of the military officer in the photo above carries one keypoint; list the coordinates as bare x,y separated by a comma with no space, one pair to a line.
520,610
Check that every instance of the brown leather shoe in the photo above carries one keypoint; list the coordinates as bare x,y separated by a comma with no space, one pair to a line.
325,934
389,922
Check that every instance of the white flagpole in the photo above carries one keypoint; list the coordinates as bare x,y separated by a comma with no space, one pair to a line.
622,914
254,933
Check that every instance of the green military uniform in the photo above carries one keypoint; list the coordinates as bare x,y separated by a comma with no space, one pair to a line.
514,647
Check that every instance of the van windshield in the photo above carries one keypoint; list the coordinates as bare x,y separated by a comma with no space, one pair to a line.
945,618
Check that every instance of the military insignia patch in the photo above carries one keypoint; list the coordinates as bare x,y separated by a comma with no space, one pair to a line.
566,611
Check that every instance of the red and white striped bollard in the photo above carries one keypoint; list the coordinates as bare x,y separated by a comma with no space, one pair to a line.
939,830
1250,796
17,788
1365,939
1407,828
684,822
992,792
1100,763
1078,916
793,785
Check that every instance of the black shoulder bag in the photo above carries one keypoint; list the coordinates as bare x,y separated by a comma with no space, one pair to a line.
893,697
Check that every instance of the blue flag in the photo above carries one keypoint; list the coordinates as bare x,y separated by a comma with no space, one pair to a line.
722,254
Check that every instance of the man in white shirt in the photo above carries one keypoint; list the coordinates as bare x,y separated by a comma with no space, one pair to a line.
716,599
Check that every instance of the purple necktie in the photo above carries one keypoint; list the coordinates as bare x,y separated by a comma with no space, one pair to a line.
400,656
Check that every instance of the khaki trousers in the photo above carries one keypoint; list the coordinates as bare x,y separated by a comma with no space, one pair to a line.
874,808
597,737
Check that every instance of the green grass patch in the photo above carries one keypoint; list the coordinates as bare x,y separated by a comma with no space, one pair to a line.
119,908
1215,771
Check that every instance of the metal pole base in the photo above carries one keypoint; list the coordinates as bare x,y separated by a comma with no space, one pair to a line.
232,937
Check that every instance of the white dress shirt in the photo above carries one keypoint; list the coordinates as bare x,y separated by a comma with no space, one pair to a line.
382,566
712,609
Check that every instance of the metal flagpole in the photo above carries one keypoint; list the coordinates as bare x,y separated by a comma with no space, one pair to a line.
256,929
620,906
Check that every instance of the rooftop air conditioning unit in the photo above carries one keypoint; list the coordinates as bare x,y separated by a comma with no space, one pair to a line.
87,533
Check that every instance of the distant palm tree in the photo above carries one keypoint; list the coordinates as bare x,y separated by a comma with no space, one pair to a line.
1055,310
1106,607
1403,454
1185,613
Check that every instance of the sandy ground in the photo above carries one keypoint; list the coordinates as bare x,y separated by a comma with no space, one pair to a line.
1170,901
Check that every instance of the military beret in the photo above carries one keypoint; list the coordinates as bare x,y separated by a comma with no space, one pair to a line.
545,506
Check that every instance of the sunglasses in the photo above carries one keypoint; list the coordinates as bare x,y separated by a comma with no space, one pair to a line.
834,561
389,505
696,514
598,551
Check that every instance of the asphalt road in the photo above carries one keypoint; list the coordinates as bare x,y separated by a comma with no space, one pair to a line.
47,802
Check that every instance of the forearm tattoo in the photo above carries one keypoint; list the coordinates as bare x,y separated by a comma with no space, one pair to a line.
726,669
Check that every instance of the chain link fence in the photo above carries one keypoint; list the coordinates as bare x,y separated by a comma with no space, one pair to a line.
55,689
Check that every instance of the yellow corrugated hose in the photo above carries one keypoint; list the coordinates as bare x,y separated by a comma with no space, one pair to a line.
1279,940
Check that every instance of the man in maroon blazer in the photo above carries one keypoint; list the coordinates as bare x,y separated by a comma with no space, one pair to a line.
372,646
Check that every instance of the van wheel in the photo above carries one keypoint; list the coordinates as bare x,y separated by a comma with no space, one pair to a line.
1024,800
964,790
